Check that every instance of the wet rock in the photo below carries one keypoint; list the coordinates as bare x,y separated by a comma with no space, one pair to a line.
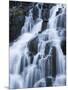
59,11
53,56
16,23
48,66
35,13
46,11
49,81
17,12
63,46
51,63
44,25
33,46
47,48
31,57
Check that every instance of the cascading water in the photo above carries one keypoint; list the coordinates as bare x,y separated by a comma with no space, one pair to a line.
47,66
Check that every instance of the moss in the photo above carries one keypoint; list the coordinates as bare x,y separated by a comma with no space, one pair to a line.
19,13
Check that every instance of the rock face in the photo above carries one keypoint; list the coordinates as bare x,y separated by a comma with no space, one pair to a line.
35,13
51,60
63,46
47,48
33,46
18,11
15,26
49,81
53,54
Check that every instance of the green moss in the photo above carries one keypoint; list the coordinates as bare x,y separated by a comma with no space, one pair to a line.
19,13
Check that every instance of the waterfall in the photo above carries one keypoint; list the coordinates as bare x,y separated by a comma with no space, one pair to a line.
46,67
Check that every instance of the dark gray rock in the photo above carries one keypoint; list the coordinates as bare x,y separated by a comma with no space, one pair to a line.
33,45
49,81
63,46
35,13
16,22
50,64
53,57
48,71
44,25
59,11
47,48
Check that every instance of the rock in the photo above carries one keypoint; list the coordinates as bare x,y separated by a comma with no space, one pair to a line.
33,46
44,25
46,11
47,48
48,70
17,13
31,57
45,14
49,81
50,63
16,23
53,56
63,46
59,11
35,13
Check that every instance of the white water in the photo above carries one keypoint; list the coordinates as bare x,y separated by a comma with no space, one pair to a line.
23,73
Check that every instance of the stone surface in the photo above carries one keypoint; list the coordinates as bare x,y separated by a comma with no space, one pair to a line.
49,81
33,46
53,55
